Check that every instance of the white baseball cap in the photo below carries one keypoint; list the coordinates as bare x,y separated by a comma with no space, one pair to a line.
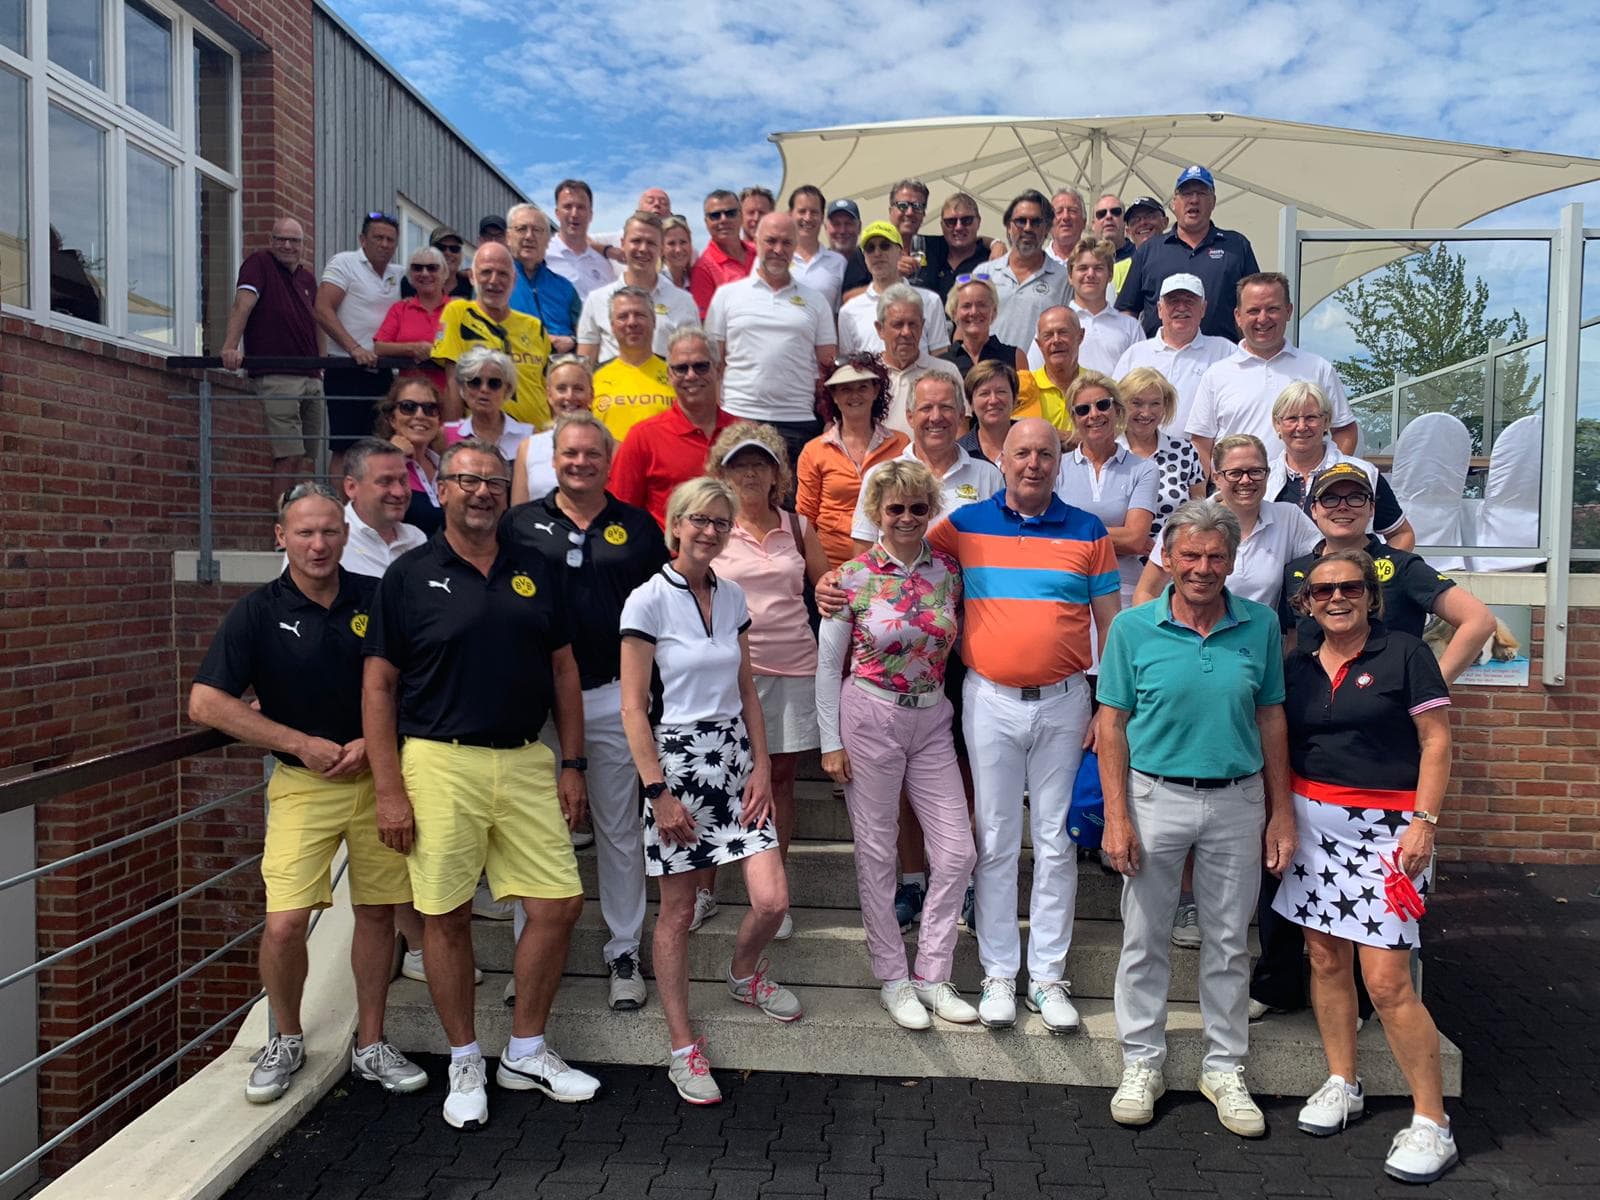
1183,283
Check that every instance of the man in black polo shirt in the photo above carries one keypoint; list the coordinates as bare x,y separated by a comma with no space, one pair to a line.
467,653
957,251
1193,246
603,549
297,641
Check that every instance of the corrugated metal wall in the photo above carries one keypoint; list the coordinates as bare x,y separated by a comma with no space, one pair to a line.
377,142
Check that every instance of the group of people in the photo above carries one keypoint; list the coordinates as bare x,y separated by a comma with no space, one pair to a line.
946,569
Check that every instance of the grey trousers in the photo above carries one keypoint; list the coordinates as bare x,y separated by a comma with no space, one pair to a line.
1223,826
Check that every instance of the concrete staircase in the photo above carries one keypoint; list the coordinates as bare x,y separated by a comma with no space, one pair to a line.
845,1031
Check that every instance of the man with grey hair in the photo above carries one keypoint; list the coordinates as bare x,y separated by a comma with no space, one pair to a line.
641,257
1069,219
634,385
1027,280
900,331
1193,757
539,291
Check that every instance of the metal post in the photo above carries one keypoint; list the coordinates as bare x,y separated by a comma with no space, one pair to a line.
1491,393
206,570
1289,263
1560,434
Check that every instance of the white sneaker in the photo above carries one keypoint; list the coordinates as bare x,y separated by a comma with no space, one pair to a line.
381,1063
705,907
1051,1001
627,987
944,1002
1135,1100
411,968
900,999
1421,1152
1235,1109
1258,1010
785,930
468,1101
546,1072
1331,1107
997,1003
486,906
582,839
1186,927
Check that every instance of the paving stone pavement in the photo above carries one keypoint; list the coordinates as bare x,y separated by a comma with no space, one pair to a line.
1513,976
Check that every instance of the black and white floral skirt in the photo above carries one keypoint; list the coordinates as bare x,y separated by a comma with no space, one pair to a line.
706,765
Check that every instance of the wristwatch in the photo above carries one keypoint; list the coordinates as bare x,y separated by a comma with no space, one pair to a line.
1422,814
654,791
577,764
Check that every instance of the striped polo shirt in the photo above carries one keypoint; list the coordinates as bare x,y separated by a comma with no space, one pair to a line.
1028,582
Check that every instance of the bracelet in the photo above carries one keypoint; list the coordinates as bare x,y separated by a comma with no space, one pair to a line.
576,764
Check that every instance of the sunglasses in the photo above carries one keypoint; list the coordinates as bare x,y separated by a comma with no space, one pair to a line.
721,214
411,408
905,206
1028,222
918,509
426,268
700,366
1101,405
960,222
1103,213
491,382
1347,589
448,247
1349,500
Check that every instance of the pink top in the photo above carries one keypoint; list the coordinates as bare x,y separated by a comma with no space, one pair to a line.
408,321
772,573
903,619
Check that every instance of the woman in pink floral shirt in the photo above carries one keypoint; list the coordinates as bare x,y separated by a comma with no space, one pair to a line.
887,725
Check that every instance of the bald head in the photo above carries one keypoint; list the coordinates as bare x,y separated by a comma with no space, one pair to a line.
288,238
776,234
492,277
1029,460
655,200
1059,336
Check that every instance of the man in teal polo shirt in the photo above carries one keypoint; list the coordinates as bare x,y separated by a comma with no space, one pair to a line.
1193,756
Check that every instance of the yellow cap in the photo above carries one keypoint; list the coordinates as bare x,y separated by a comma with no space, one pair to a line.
879,229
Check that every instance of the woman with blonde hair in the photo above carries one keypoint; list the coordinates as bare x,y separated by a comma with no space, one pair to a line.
569,386
1152,404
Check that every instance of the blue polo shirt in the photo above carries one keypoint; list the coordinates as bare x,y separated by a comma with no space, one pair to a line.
1222,259
550,298
1192,701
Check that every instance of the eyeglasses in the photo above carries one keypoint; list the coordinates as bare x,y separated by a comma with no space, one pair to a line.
1102,213
1348,499
1083,410
702,522
426,268
491,382
1028,222
286,241
700,366
1235,474
412,407
1347,589
918,509
721,214
498,485
959,222
905,206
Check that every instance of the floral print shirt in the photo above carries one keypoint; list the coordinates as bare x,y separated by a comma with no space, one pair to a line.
903,619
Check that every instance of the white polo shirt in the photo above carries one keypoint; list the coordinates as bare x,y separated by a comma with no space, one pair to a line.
1182,365
903,380
368,296
1282,534
1022,301
366,553
673,305
585,271
511,437
1107,335
699,667
769,338
967,481
823,272
1125,481
1236,394
858,323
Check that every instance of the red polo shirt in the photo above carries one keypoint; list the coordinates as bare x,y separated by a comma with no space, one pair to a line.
658,454
713,269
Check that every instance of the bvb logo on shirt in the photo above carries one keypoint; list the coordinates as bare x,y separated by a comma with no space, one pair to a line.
1384,568
358,625
522,585
615,534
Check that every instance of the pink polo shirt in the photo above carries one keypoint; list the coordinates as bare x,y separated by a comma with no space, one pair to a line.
772,573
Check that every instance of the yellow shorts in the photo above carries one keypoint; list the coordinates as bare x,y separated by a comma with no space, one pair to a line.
481,811
307,816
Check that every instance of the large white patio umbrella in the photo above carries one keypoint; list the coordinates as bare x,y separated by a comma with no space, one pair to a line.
1336,178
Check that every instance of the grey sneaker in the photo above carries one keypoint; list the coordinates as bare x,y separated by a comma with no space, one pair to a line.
627,988
382,1063
1235,1109
777,1001
1186,927
275,1063
691,1075
705,907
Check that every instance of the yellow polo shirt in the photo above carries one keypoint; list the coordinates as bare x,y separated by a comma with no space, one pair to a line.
1041,398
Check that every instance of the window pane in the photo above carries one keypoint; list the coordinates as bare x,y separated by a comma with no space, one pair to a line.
14,25
214,260
213,103
78,38
149,62
13,189
77,217
152,294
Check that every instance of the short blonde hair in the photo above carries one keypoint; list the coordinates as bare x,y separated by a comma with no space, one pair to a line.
1237,441
693,496
1142,379
753,431
1296,395
583,420
906,477
983,281
1102,248
1088,379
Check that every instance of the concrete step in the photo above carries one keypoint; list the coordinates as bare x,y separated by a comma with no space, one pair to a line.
820,817
846,1032
829,948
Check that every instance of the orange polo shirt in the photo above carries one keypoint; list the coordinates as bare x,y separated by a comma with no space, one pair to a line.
828,483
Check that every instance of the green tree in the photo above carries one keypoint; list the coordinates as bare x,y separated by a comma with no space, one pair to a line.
1419,314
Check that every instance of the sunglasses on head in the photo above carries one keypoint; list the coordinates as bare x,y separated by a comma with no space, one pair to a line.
919,509
412,407
700,366
1083,410
1347,589
385,218
721,214
1102,213
492,382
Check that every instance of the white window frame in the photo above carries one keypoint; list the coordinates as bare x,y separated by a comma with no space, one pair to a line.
409,212
47,85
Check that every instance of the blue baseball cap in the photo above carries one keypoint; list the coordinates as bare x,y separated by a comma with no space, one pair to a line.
1195,174
844,206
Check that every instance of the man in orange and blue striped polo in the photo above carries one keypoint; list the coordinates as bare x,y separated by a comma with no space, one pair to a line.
1033,568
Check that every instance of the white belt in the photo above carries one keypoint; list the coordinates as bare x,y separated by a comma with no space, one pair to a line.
899,699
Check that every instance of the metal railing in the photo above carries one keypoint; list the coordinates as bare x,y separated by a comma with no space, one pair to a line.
55,783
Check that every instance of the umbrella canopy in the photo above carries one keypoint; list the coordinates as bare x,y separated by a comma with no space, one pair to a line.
1337,178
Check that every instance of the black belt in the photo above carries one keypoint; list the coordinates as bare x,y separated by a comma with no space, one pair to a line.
1203,785
485,743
